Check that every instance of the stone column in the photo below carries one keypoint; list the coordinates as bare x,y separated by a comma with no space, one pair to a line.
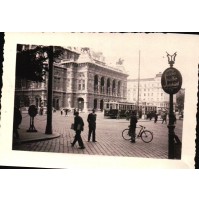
116,83
85,109
69,102
99,84
105,85
111,82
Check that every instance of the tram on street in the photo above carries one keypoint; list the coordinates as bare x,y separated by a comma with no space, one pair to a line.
114,109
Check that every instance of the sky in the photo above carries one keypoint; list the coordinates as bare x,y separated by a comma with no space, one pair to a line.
152,48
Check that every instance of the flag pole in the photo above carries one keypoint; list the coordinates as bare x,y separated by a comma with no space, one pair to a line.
138,86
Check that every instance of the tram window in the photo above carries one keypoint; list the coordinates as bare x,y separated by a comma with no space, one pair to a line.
107,105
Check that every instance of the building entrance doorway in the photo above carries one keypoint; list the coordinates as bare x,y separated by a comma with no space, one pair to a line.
56,103
95,104
101,105
80,104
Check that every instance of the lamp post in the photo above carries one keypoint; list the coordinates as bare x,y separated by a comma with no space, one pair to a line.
138,87
50,92
171,83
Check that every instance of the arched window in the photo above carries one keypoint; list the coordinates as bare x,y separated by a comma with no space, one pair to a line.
96,84
102,85
108,86
113,88
119,88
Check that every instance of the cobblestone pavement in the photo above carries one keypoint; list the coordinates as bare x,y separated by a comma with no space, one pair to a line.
108,136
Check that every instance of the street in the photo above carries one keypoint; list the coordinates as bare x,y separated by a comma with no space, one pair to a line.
108,136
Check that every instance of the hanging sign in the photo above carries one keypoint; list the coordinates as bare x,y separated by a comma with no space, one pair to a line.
171,80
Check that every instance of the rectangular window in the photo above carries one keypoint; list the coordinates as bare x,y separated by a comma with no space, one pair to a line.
83,84
79,86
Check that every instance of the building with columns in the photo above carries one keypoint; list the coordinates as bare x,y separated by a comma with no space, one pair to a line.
82,79
150,93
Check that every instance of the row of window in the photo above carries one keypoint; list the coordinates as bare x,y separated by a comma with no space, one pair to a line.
147,85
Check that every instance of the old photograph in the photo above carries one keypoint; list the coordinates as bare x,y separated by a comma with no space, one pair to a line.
127,96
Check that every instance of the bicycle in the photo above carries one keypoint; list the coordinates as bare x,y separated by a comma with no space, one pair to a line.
145,135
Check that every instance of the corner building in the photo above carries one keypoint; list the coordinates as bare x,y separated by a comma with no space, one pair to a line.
91,82
151,93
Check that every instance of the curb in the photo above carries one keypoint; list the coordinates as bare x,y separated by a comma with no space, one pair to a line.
35,138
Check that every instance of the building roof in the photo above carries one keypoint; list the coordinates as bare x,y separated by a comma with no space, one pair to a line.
159,74
90,56
142,79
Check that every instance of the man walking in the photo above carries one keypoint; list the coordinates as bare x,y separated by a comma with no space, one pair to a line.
92,125
133,122
78,127
164,118
156,117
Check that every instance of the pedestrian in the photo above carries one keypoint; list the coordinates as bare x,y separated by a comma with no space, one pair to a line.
150,115
175,120
74,111
41,110
78,127
118,114
16,122
66,112
164,118
92,125
133,122
61,111
156,117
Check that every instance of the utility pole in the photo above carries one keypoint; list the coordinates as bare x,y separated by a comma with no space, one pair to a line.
50,92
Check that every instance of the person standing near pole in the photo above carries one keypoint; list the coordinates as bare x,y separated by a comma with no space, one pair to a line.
16,122
164,118
133,122
78,127
156,117
92,125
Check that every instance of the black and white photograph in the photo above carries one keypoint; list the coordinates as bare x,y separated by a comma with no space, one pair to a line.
100,99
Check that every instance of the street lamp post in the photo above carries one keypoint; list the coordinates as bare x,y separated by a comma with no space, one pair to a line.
50,92
171,83
138,98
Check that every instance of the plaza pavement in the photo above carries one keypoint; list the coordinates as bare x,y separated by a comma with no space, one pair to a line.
108,136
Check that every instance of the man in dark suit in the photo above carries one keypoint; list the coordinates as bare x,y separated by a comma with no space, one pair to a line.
78,127
133,122
92,125
16,122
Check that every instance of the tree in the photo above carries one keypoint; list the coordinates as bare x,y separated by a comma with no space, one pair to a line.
30,64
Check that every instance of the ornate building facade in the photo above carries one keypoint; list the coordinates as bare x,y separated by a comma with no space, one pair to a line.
81,80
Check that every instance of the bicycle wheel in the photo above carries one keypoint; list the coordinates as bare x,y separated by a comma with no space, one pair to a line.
146,136
125,134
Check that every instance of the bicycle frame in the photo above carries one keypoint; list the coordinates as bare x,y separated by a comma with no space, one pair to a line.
145,135
141,129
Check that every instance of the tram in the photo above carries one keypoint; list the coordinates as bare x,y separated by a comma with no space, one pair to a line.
124,109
